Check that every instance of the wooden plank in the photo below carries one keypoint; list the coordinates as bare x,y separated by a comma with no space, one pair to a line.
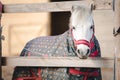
103,20
103,4
0,41
58,62
117,40
51,6
41,7
22,1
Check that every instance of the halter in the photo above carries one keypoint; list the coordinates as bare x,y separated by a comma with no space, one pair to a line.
83,41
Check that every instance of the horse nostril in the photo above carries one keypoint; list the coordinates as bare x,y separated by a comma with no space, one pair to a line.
88,51
78,51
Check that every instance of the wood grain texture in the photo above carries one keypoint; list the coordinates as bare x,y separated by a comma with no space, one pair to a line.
103,4
41,7
117,39
0,41
58,62
53,6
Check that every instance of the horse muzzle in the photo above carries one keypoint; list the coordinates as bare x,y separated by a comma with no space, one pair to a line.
82,48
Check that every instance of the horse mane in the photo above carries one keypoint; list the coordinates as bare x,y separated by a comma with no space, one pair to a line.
80,13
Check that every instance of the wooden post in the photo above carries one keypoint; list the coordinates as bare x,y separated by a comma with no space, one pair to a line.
0,41
117,38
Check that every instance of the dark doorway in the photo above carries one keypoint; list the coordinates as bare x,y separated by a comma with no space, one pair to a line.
59,21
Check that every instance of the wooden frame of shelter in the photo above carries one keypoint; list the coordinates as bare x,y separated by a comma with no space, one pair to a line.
68,61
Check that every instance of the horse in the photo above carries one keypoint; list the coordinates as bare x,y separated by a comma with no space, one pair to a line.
79,41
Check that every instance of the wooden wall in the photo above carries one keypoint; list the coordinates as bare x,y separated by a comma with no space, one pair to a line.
22,1
104,31
0,41
104,23
15,30
117,38
19,28
16,26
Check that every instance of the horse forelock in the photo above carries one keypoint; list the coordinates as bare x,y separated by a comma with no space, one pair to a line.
80,14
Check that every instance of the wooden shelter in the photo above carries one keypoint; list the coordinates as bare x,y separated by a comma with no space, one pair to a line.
108,34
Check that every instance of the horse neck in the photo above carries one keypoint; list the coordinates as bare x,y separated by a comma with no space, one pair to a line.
70,40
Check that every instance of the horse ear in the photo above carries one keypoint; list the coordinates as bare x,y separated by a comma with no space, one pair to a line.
73,8
92,7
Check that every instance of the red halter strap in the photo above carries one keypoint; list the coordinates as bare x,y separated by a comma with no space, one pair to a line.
83,41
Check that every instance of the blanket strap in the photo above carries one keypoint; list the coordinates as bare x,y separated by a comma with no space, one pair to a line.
33,77
85,74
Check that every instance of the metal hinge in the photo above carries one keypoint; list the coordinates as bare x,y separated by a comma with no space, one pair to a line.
2,37
116,32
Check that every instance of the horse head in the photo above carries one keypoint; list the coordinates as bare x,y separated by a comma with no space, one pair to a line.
82,30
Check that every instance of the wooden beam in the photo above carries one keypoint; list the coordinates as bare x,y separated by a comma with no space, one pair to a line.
58,62
117,40
103,4
53,6
0,41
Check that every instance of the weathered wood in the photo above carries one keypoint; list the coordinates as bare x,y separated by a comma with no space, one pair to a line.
41,7
103,4
58,62
53,6
103,20
117,39
0,41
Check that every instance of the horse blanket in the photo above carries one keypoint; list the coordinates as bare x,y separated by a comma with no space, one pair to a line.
61,45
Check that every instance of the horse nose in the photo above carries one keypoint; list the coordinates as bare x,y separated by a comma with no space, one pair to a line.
88,51
84,52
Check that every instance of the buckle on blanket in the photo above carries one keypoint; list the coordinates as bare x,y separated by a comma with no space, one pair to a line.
85,74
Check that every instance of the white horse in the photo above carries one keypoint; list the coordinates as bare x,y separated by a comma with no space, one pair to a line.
82,28
79,41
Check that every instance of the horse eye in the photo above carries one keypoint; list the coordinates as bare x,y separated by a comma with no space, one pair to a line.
91,27
73,27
